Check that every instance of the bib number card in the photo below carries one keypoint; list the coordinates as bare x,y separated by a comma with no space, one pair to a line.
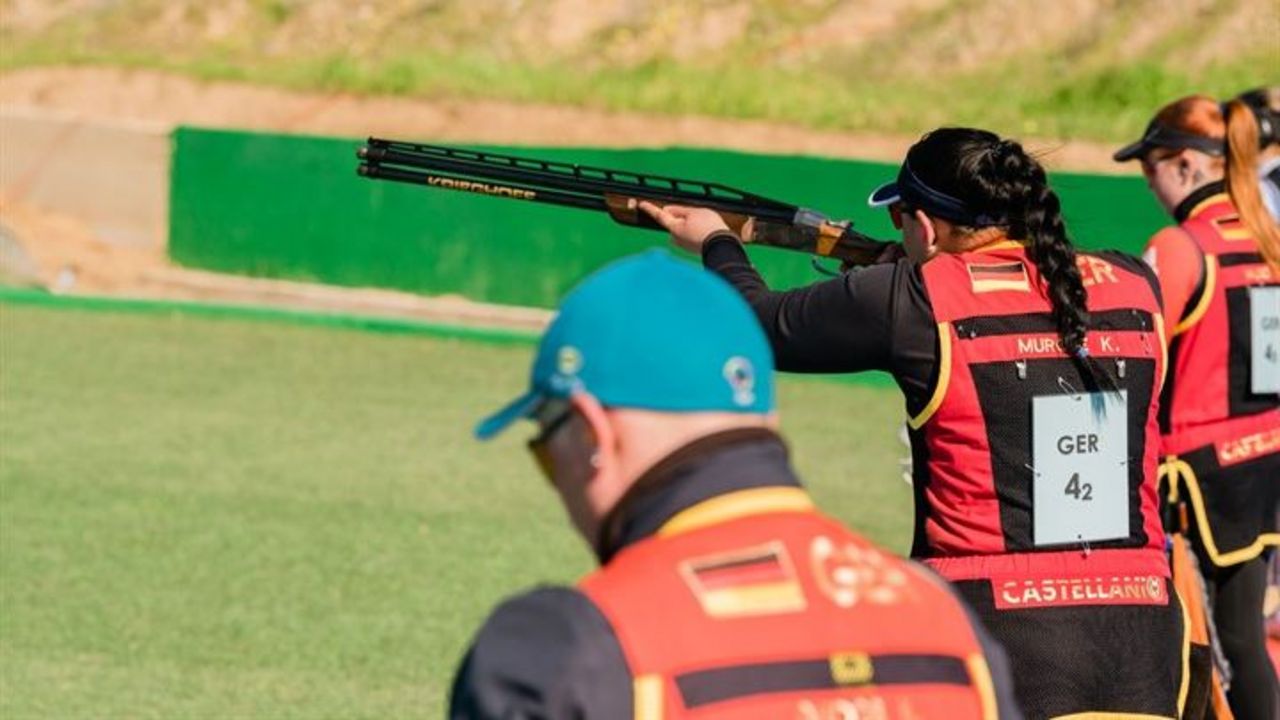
1264,312
1080,446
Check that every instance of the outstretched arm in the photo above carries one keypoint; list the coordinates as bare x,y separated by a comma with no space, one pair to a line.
840,325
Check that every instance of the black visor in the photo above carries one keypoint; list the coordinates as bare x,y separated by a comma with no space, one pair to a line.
909,189
1160,136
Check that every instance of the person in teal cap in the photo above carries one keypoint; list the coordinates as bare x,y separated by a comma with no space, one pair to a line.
721,589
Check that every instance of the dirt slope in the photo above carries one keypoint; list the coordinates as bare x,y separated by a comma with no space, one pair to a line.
116,95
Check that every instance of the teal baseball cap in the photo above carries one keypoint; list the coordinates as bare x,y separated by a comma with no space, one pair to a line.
649,332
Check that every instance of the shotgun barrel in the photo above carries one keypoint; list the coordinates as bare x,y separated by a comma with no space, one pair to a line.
616,193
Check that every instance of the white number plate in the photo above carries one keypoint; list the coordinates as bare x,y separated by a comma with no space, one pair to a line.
1080,446
1264,312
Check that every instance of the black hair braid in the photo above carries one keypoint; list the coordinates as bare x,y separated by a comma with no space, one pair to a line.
1055,257
1050,248
997,178
1034,214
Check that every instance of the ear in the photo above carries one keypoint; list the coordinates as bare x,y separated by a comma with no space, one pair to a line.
929,229
1185,166
602,435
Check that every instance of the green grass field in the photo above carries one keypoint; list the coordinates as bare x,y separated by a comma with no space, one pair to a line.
207,517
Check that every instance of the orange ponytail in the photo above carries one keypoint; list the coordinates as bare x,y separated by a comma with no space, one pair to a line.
1242,181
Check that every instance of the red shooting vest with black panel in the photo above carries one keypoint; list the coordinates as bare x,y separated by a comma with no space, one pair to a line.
1221,439
1207,398
752,605
999,351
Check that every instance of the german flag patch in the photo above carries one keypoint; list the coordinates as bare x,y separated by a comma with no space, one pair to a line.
758,580
999,276
1231,227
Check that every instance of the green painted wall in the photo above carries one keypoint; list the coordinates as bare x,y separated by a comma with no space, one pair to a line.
292,207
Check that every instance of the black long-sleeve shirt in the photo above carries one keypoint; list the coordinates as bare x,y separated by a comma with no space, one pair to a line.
872,318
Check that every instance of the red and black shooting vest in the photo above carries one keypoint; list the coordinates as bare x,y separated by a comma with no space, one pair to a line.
1211,420
1032,477
753,605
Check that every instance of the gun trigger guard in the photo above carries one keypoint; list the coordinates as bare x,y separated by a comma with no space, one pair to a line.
816,264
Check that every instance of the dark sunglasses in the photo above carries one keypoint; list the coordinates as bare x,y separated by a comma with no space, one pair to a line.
538,443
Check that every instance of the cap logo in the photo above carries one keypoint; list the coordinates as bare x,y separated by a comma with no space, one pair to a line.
568,360
742,380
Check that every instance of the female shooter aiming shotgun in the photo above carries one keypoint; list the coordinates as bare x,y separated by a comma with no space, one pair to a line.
1031,376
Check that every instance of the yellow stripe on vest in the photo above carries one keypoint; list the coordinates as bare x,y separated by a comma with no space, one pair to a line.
1185,685
1211,200
648,697
1167,472
980,673
1206,297
734,505
1192,483
1164,351
998,245
944,378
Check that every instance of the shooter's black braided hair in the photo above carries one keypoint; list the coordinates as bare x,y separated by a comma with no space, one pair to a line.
998,178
